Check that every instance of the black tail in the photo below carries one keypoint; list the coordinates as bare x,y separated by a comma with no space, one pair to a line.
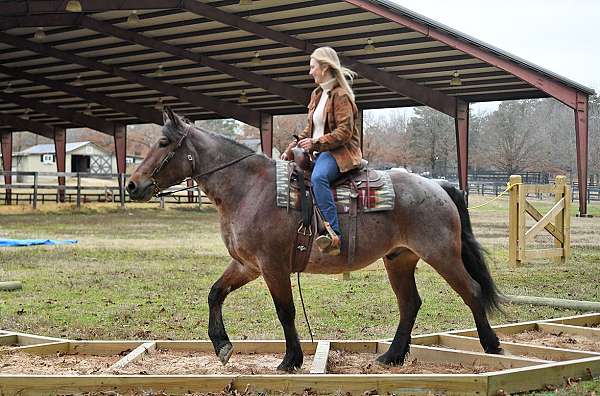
473,253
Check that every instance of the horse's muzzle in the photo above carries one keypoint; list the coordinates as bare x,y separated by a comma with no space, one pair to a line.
140,191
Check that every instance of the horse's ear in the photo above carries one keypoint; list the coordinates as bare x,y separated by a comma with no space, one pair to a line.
169,114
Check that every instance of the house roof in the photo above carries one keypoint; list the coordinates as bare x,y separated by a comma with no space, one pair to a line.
50,149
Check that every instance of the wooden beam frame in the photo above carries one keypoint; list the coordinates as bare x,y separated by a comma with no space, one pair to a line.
226,109
78,118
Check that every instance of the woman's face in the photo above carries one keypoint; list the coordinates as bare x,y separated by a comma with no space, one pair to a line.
318,72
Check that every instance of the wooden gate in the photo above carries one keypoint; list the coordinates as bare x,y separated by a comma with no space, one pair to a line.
520,235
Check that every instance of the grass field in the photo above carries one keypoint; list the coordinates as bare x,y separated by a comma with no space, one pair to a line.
145,273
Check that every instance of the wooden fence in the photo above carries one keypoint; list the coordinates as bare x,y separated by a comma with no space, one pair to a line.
34,192
519,233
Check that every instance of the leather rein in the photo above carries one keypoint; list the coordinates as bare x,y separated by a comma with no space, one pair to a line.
169,156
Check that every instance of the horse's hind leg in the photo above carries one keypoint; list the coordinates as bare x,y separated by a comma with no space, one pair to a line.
235,276
455,273
400,266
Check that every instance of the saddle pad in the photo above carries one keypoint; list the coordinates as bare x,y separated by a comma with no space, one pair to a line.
377,200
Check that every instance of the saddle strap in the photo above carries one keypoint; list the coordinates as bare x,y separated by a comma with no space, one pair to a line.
304,234
352,223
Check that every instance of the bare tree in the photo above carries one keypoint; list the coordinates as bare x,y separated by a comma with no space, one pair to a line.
432,140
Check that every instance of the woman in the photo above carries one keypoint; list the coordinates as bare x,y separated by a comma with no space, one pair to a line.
331,133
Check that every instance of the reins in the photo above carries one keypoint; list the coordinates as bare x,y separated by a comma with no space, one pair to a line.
169,156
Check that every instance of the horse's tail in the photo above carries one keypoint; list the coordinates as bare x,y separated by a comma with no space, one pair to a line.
473,253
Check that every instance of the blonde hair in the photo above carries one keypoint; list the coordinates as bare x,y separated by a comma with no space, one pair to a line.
343,75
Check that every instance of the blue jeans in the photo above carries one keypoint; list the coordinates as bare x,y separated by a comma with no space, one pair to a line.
325,171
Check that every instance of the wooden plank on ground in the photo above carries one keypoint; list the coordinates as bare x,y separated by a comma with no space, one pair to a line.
134,355
8,339
535,351
448,384
104,348
467,358
521,380
49,348
502,329
555,328
356,346
588,320
30,339
319,365
239,346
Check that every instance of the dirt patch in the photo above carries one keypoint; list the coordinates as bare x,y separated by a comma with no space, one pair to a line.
166,362
560,340
26,363
341,362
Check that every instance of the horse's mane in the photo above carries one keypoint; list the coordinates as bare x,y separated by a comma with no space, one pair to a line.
173,134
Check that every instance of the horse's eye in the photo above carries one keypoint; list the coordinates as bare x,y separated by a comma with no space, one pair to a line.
163,142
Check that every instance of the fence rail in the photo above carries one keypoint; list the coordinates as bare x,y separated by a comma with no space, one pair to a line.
34,193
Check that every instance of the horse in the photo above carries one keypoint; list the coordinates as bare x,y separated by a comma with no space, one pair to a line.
430,221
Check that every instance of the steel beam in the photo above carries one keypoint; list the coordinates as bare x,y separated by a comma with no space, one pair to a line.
77,118
28,7
60,149
421,94
132,109
227,109
581,140
266,134
120,140
21,124
7,164
360,125
461,125
554,88
284,90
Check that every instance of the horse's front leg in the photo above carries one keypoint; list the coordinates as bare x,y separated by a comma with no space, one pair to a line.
235,276
279,285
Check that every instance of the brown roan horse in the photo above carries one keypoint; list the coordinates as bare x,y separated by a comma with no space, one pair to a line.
430,222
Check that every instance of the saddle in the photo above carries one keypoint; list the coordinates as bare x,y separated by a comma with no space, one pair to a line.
359,190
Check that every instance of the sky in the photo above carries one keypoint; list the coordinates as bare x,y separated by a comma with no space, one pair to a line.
559,35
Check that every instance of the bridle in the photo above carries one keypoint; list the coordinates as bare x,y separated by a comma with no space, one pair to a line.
169,156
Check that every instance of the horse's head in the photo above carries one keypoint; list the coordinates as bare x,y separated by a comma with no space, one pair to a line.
166,164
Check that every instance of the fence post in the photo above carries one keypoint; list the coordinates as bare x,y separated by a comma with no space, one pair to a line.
513,220
199,197
78,190
35,190
162,202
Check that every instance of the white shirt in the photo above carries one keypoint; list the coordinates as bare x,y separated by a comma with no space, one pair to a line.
319,114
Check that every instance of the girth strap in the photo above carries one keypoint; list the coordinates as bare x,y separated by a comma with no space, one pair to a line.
304,234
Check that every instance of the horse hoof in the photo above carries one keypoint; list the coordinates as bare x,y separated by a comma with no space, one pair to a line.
225,353
386,361
287,368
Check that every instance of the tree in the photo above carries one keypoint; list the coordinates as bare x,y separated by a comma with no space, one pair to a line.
284,127
512,137
226,126
385,141
432,140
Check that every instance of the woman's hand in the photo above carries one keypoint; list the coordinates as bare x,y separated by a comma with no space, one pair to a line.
306,143
284,156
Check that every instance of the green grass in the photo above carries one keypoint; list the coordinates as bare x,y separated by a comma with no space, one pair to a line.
145,273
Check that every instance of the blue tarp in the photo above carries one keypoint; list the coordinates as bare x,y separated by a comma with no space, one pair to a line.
31,242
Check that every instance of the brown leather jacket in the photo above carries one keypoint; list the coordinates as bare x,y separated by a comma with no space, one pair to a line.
340,137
